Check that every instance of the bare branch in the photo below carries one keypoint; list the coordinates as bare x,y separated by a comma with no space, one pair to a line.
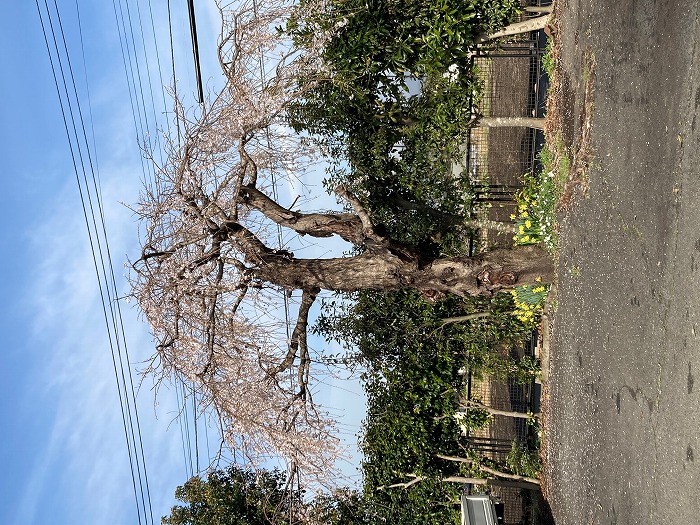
489,470
462,318
298,340
416,479
498,412
345,225
531,24
341,191
506,475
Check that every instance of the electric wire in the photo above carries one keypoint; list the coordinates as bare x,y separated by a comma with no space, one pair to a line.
142,128
180,383
138,124
172,61
104,279
111,293
196,440
187,426
195,50
77,147
133,75
160,68
285,297
71,138
184,426
141,114
274,186
154,131
146,137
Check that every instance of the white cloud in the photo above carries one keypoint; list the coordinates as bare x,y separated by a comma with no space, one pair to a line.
83,456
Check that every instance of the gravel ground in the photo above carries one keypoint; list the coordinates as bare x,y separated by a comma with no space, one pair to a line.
623,421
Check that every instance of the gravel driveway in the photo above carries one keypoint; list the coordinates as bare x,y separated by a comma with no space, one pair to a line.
623,423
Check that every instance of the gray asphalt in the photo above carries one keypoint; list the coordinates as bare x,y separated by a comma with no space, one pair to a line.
624,404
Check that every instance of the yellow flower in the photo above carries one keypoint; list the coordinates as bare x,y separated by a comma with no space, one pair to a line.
538,279
521,229
512,215
528,224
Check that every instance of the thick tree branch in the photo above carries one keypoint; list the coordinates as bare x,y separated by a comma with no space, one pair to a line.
532,24
525,483
496,412
346,225
461,318
416,479
506,475
506,122
298,343
489,470
341,191
493,482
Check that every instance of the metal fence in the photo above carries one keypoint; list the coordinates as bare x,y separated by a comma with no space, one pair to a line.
496,440
513,85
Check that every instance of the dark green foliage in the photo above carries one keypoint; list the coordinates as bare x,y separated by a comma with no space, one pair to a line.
235,497
411,362
344,507
383,329
389,38
393,107
402,172
524,461
429,502
391,113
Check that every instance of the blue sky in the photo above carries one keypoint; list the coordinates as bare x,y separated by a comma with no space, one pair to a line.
63,448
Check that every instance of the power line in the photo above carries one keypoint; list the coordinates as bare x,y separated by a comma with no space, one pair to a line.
128,66
111,297
172,60
195,50
187,444
97,241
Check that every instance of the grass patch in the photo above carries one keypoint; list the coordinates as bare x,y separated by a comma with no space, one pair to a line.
537,205
548,62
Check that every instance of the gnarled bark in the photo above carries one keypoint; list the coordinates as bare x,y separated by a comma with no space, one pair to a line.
487,273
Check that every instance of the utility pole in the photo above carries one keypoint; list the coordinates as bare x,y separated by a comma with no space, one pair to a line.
195,51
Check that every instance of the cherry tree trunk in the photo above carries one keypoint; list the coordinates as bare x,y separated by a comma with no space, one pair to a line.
483,274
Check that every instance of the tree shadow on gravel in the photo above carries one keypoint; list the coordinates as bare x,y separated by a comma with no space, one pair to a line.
537,509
